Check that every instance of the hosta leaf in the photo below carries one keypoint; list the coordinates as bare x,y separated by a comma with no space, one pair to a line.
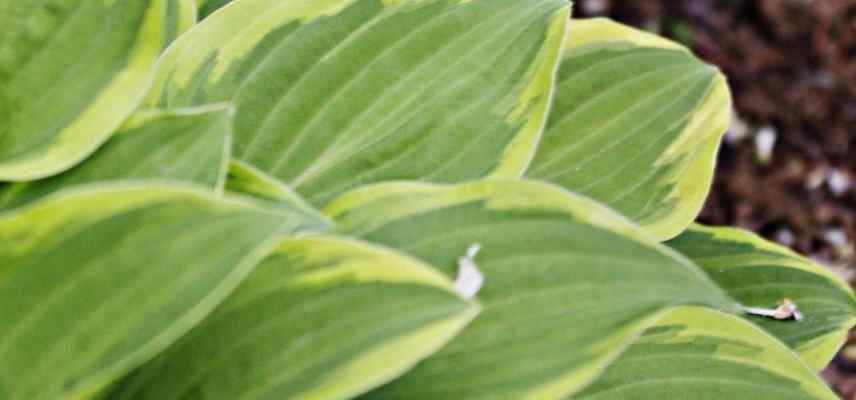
206,7
70,73
322,318
180,16
334,94
568,283
190,145
95,282
636,124
700,354
758,273
247,180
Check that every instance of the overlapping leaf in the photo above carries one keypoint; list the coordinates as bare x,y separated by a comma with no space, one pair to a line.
322,318
334,94
246,180
568,283
206,7
636,124
758,273
180,16
109,269
190,145
95,282
700,354
70,73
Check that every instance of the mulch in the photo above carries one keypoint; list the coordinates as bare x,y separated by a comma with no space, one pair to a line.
792,67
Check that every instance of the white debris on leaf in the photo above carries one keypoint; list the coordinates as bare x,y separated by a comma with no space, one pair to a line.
470,279
787,309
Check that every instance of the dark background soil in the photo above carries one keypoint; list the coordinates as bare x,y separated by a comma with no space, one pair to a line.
792,67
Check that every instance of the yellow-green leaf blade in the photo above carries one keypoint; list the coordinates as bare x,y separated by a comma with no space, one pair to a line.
191,145
758,273
181,15
636,124
83,64
700,354
244,179
96,281
335,94
568,283
321,318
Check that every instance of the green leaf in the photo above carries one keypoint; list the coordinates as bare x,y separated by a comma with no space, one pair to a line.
334,94
96,281
321,318
206,7
70,73
636,123
758,273
180,16
246,180
188,145
700,354
568,283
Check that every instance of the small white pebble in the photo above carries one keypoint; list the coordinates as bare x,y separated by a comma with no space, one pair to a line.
836,237
839,182
765,142
816,178
785,237
595,7
823,79
470,280
738,130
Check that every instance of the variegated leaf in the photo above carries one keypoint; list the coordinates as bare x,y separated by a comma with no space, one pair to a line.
334,94
71,72
636,124
759,273
567,283
96,281
321,318
190,145
700,354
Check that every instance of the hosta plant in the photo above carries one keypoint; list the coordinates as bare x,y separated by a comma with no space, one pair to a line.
379,199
